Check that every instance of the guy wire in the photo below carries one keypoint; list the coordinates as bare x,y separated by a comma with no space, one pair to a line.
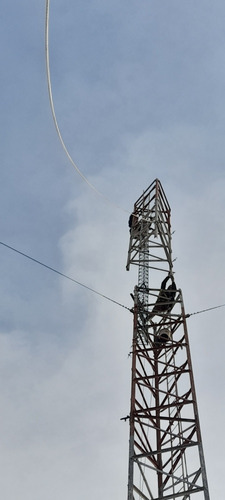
63,275
88,287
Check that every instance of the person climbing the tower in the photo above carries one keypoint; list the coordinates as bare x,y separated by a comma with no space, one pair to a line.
165,301
133,221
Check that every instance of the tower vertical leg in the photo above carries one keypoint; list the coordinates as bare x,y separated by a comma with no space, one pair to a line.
132,407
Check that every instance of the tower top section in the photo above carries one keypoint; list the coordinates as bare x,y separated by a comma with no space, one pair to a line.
150,231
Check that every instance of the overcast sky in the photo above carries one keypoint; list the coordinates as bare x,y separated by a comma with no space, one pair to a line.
138,89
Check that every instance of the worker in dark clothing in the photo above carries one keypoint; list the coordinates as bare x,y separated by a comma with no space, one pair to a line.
130,221
166,297
133,220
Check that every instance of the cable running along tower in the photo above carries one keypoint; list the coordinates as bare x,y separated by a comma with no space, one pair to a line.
166,458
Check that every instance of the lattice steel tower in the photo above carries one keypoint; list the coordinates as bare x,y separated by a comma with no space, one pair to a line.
166,458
